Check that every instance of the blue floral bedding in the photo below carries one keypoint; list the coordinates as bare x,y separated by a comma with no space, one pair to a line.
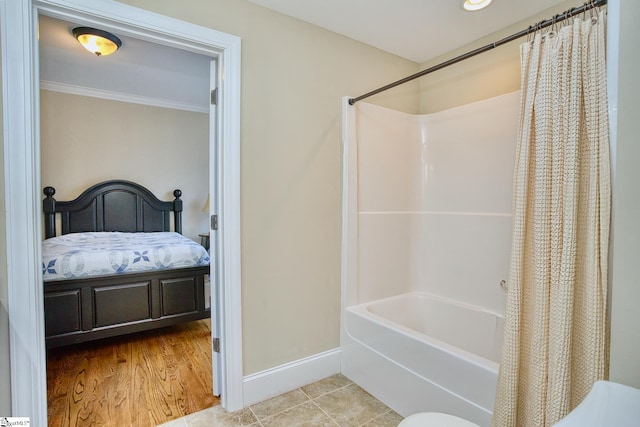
77,255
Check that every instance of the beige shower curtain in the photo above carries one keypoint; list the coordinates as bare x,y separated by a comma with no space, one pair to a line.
555,328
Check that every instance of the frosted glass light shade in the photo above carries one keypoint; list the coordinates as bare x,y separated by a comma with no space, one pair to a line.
98,42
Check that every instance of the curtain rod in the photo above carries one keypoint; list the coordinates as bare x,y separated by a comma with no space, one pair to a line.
532,29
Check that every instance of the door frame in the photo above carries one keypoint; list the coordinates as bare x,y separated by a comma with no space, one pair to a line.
21,127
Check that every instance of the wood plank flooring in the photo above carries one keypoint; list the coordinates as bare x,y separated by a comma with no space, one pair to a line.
142,379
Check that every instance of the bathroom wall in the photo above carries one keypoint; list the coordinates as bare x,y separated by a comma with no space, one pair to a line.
294,75
493,73
434,201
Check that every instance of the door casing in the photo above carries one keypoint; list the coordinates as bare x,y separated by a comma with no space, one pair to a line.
21,106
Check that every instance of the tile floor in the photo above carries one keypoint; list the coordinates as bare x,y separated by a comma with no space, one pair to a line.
334,401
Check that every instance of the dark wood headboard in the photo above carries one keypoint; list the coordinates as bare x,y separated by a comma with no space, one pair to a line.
116,205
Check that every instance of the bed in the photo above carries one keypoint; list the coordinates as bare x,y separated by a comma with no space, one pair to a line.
153,276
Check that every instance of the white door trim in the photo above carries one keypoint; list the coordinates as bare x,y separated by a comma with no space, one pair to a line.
22,180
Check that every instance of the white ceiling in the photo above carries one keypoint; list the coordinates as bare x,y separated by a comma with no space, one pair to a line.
140,71
418,30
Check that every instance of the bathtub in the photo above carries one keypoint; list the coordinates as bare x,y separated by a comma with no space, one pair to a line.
420,352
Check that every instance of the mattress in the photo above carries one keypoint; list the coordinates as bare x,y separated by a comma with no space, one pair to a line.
79,255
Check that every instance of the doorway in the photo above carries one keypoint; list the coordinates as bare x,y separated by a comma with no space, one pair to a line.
21,107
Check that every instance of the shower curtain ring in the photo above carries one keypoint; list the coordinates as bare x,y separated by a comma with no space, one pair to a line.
570,13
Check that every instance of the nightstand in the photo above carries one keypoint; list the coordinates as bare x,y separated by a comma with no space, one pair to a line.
204,240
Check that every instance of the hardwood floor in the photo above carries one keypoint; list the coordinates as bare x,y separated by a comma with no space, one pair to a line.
142,379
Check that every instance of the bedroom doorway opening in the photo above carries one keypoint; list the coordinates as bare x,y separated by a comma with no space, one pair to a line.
22,148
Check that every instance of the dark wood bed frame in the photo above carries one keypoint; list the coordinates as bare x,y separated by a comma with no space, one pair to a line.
85,309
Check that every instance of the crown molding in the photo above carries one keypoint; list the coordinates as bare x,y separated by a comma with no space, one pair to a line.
122,97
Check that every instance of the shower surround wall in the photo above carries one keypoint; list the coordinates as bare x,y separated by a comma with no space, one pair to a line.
427,210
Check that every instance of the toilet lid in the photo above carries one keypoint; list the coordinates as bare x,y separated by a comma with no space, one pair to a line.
435,419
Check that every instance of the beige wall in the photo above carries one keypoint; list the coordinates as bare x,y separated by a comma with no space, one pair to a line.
88,140
492,73
625,294
293,78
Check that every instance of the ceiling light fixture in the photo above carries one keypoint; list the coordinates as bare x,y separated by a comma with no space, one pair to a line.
98,42
473,5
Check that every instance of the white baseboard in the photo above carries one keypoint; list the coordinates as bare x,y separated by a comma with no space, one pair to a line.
290,376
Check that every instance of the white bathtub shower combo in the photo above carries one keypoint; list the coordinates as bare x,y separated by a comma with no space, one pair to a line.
426,236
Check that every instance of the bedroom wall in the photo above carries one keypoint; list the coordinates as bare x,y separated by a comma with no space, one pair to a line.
87,140
293,78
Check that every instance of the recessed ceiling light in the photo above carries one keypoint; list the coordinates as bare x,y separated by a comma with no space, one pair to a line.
473,5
